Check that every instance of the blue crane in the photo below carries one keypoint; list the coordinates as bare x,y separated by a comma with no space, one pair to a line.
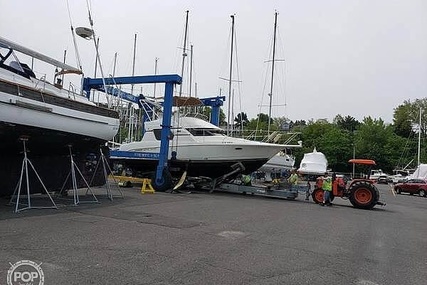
170,80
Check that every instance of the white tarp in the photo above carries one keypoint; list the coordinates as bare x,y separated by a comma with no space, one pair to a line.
420,172
313,163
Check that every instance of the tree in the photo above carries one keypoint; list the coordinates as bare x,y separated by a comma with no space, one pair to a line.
206,111
376,140
401,120
346,123
241,120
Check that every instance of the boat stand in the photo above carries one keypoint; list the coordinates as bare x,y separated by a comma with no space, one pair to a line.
72,173
107,170
17,193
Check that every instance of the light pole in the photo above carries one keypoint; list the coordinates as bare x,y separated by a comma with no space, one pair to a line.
354,156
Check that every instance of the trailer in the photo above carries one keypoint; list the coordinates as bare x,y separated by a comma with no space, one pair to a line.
267,190
245,184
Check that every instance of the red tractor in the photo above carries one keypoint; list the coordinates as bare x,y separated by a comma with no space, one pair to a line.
362,193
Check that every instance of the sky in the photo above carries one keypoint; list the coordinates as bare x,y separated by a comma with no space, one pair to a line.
355,58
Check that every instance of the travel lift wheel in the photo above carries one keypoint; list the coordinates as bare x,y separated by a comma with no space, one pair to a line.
363,195
165,182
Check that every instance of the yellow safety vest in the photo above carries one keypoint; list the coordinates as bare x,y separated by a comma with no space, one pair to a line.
293,179
327,184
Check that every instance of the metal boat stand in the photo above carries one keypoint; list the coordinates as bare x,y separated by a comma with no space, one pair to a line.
72,173
106,170
17,193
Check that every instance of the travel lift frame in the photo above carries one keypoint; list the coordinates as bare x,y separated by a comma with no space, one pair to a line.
170,80
214,102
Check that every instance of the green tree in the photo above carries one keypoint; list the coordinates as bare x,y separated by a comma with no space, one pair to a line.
376,140
346,123
402,121
241,120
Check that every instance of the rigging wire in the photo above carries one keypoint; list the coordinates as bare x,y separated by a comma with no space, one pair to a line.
239,87
78,59
97,52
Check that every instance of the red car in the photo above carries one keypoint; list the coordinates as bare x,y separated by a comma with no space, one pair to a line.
412,186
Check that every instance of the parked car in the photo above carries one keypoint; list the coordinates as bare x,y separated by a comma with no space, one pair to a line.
384,179
412,186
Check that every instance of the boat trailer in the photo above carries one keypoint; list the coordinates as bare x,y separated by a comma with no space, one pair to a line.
242,184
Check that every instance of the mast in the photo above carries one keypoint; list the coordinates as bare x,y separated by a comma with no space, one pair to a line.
155,73
272,73
65,59
131,110
191,68
184,51
230,76
133,61
114,64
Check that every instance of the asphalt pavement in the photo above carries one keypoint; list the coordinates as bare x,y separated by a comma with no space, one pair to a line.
218,238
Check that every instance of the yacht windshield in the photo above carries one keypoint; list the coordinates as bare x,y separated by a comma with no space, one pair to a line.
9,58
204,132
9,61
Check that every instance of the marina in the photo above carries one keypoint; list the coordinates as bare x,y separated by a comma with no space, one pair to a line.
209,153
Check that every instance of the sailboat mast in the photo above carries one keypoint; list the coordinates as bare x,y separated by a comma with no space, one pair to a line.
131,110
191,68
133,61
65,58
155,73
184,51
272,73
230,77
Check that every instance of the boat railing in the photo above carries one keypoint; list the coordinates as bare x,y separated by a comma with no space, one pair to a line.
197,115
42,80
71,91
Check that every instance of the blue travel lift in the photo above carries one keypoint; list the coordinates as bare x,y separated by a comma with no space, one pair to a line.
273,190
170,81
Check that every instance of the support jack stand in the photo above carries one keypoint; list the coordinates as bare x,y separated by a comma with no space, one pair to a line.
72,173
18,188
106,170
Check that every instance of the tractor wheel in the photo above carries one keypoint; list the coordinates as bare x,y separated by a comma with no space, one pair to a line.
422,193
363,195
164,184
317,195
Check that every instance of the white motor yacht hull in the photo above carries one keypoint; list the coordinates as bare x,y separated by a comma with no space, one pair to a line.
199,150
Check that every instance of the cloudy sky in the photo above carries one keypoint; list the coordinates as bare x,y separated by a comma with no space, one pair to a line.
353,57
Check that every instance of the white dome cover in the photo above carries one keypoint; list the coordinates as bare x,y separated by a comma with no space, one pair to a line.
313,163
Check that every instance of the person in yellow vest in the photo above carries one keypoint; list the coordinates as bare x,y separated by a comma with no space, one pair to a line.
293,180
327,189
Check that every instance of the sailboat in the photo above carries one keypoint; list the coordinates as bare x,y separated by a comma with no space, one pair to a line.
47,119
282,161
